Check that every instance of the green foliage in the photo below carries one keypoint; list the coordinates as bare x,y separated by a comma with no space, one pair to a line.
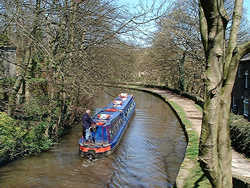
7,81
37,80
193,139
197,178
5,86
34,108
38,86
36,141
9,135
4,40
199,107
16,140
240,134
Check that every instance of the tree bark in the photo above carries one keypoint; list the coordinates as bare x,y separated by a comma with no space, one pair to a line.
215,154
31,61
181,62
12,97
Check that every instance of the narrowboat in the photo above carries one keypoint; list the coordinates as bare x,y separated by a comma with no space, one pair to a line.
111,123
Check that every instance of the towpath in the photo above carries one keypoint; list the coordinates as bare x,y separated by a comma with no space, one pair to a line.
240,164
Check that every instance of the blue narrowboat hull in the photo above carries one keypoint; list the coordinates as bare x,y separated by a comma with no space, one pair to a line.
111,123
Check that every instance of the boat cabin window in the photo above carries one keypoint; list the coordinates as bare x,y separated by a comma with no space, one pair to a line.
118,122
128,110
115,126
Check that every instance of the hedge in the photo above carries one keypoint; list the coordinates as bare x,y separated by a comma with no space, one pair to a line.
240,134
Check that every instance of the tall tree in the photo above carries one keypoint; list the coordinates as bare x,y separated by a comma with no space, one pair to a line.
64,45
177,49
222,59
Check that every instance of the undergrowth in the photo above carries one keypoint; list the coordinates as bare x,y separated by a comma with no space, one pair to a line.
17,141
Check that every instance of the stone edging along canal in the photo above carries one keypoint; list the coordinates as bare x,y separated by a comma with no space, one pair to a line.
190,117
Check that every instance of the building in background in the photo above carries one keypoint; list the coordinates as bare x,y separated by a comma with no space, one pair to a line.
7,61
241,90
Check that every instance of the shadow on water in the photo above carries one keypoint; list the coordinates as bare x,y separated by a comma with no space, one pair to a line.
149,155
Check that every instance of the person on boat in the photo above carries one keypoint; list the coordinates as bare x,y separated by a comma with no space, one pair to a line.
92,131
86,124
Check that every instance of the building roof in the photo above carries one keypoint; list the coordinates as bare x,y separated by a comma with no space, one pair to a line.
245,58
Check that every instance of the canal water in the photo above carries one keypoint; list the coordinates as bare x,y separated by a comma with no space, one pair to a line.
149,154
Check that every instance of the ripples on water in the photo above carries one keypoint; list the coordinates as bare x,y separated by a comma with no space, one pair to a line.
149,155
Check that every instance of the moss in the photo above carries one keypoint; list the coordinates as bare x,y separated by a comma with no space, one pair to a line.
199,107
196,177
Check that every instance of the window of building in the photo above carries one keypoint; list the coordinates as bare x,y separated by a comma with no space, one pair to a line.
234,106
245,107
246,77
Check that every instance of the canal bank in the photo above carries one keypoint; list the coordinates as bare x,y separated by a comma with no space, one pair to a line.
190,115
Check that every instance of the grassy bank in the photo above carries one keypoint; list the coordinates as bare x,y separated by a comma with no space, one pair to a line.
195,176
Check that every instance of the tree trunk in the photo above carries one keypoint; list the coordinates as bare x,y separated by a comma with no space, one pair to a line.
182,72
31,62
22,58
13,95
27,62
215,154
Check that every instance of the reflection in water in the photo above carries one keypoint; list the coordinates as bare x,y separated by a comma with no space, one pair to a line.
149,155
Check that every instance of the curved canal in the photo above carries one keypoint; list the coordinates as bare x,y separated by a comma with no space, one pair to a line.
149,155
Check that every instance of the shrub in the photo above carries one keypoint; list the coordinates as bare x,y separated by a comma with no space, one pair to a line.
16,140
10,134
240,134
35,109
36,140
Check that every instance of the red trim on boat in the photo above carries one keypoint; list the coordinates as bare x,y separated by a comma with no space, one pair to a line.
100,123
97,150
111,110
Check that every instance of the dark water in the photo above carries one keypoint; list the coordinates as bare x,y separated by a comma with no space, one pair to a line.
149,155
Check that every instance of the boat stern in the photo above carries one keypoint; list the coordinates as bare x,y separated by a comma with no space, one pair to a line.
91,150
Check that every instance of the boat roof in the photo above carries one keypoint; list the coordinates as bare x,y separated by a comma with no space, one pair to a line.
112,115
124,101
112,110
